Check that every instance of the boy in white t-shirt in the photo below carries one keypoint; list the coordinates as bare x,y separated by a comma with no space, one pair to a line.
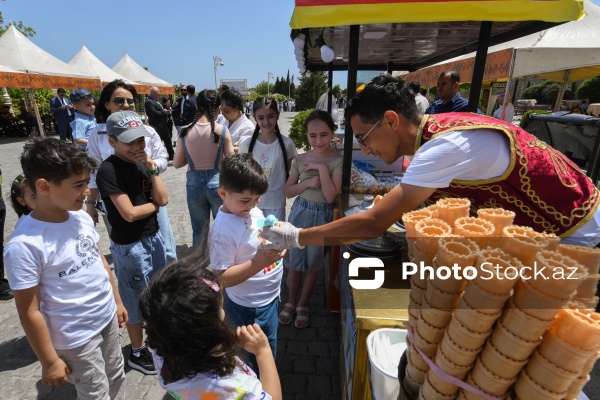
252,277
65,295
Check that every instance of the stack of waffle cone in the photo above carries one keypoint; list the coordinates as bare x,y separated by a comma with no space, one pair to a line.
589,258
522,242
443,362
485,301
566,274
454,253
450,209
498,271
477,229
539,305
488,381
409,220
499,217
428,232
552,239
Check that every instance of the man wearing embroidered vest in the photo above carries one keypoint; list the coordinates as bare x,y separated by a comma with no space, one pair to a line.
489,161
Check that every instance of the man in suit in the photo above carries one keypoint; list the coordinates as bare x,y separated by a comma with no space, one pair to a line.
157,118
178,108
189,109
63,113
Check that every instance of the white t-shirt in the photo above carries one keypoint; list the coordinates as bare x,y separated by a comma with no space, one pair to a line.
241,384
241,128
76,298
510,112
233,240
475,155
270,157
422,102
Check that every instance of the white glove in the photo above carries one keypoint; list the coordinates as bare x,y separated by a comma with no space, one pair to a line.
282,236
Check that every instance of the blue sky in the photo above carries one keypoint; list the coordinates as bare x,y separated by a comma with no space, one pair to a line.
176,40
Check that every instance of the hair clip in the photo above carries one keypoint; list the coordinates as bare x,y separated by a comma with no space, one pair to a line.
213,285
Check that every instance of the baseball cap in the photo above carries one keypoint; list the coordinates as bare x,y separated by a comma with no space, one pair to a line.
79,94
126,126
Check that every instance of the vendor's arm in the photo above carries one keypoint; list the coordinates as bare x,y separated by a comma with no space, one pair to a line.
367,224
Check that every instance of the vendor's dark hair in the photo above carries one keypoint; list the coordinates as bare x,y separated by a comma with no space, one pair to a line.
384,93
320,115
207,102
231,98
259,103
102,112
242,172
53,160
180,311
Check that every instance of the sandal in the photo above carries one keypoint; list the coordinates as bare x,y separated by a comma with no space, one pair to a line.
302,320
285,316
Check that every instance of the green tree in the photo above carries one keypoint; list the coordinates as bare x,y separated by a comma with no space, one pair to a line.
544,93
25,30
589,89
261,88
310,89
336,91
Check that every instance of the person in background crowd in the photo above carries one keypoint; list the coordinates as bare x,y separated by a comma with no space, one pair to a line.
421,101
5,291
202,146
577,110
23,199
63,113
447,90
85,105
190,110
239,125
510,109
166,103
120,96
157,118
178,109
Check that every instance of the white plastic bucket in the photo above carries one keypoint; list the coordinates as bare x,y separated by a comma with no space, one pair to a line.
385,347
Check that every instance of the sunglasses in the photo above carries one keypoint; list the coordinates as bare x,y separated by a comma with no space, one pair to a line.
361,141
184,90
119,101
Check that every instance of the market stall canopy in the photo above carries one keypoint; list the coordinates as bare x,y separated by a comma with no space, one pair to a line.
136,73
85,60
408,35
39,68
574,46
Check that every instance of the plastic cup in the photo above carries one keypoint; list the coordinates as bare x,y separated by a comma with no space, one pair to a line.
549,375
536,303
512,345
484,300
450,209
474,319
578,328
498,271
476,229
563,354
522,324
434,316
498,217
563,277
465,337
457,354
589,257
439,299
499,364
493,384
526,389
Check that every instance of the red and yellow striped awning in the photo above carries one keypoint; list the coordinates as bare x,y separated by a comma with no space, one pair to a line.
320,13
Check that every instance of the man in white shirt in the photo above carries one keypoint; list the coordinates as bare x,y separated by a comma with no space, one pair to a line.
421,101
510,110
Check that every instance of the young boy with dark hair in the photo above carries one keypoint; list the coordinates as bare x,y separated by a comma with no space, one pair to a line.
85,105
251,276
65,295
133,191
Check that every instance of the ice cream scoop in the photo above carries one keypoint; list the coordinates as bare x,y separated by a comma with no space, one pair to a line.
271,220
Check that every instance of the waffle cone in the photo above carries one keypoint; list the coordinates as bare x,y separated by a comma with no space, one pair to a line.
512,345
549,375
476,229
589,365
410,244
429,332
426,347
486,301
420,256
435,317
440,299
450,209
576,387
449,285
453,369
553,240
428,392
456,250
499,272
590,302
498,217
521,242
464,337
527,388
417,282
468,395
415,358
536,303
442,386
563,354
578,328
587,288
499,364
457,354
415,373
428,232
493,384
474,319
564,274
410,219
589,257
522,324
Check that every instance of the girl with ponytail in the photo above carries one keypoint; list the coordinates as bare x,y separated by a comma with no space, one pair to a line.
202,146
273,151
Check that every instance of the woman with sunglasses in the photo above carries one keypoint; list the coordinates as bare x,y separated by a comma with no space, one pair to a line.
120,96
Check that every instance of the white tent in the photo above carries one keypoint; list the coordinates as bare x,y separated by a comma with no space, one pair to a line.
21,54
85,60
136,73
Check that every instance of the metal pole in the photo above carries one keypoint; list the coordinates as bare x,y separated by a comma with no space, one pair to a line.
351,90
330,88
479,68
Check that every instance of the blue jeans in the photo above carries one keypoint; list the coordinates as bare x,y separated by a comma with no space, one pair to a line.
164,226
135,264
202,198
266,317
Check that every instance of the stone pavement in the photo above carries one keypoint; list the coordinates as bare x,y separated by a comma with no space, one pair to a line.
307,359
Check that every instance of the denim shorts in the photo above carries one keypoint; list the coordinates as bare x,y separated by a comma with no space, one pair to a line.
306,214
135,264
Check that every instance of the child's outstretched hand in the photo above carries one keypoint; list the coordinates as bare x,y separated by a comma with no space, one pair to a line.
252,339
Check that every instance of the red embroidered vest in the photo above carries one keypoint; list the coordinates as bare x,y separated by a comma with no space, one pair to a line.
545,189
